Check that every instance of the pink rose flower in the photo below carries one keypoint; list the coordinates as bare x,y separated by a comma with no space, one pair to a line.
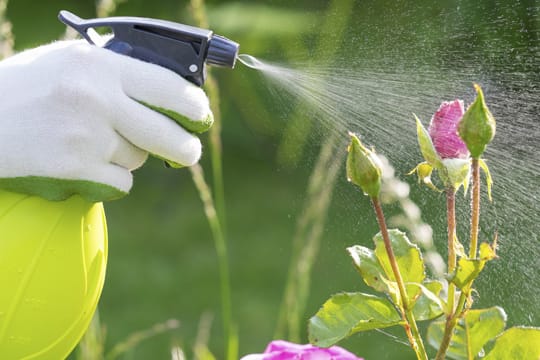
443,131
283,350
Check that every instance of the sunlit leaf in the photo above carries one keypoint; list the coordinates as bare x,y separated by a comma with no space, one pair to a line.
408,257
369,268
348,313
429,305
467,270
517,343
488,252
471,333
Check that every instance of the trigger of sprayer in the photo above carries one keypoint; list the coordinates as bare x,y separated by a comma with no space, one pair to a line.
181,48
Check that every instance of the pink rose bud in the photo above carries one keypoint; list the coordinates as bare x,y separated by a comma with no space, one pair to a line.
284,350
443,131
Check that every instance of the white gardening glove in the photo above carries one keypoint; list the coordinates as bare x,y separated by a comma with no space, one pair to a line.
76,119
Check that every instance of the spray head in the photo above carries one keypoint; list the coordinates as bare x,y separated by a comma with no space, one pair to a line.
180,48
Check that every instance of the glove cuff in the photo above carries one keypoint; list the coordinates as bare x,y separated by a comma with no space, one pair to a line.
61,189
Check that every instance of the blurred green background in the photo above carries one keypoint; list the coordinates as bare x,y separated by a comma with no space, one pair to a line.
162,260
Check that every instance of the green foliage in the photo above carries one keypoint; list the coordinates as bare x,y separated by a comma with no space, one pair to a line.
471,333
260,20
469,269
370,269
517,343
376,270
348,313
408,257
429,304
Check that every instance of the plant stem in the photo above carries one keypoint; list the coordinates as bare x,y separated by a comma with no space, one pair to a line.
452,258
451,321
475,208
410,326
452,261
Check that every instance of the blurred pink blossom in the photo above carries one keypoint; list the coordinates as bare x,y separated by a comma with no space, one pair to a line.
443,131
283,350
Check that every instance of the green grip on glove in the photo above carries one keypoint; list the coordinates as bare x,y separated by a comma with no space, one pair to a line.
53,256
196,127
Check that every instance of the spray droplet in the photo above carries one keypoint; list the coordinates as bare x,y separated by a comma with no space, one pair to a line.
250,61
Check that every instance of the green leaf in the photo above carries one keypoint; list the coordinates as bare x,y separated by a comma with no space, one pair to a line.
471,333
469,269
408,257
487,252
429,305
517,343
466,272
426,145
370,269
348,313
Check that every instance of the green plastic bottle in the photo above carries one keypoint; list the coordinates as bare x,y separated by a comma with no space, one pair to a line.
53,256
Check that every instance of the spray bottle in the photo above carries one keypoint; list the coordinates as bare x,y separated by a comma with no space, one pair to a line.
53,254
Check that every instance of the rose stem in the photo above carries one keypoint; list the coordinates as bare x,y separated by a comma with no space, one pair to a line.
410,327
475,217
475,208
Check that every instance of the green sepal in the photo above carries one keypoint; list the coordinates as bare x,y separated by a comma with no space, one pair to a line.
477,126
194,126
61,189
426,145
516,343
423,172
455,173
345,314
489,179
471,333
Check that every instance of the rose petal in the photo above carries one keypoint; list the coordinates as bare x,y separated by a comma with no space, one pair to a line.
284,350
443,130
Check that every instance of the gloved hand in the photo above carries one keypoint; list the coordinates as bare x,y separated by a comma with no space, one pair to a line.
76,119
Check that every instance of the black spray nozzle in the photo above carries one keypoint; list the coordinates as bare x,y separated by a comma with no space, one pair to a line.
180,48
